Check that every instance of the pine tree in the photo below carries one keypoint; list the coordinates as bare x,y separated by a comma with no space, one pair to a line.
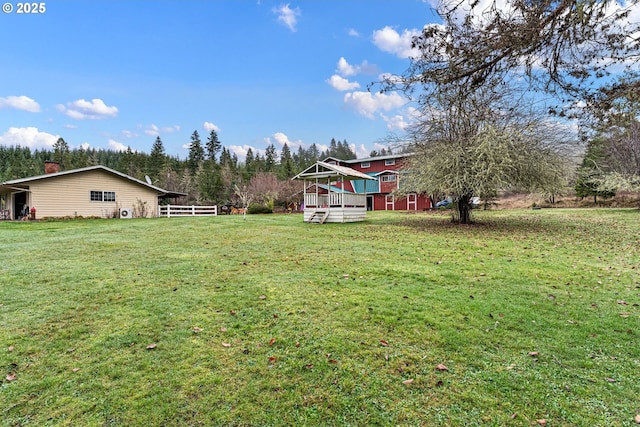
196,153
270,158
286,163
156,160
213,145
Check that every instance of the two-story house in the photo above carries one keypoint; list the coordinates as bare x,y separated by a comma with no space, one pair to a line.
387,171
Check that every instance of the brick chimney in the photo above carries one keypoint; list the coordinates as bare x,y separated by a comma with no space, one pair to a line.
51,167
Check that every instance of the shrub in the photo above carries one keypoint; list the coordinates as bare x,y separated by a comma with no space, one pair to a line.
255,208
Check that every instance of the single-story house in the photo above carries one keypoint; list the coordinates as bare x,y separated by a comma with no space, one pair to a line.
94,191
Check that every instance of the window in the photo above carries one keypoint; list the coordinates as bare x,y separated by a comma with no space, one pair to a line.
390,162
388,178
365,165
102,196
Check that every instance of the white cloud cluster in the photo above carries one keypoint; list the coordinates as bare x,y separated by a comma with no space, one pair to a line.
344,69
28,137
81,109
281,139
154,130
367,103
20,103
208,126
389,40
116,146
287,16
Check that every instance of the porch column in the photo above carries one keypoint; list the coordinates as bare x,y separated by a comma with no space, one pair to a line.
342,195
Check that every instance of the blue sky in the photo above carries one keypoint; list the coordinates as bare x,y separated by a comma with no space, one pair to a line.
112,74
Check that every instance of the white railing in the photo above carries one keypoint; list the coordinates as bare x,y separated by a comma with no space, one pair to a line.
335,200
178,210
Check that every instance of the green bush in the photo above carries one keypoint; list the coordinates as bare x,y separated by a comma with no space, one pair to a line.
259,209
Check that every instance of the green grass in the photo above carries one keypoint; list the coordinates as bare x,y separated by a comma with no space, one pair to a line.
306,324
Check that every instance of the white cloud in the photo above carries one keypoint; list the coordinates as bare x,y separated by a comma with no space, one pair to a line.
208,126
129,134
85,146
282,139
70,126
389,40
367,104
171,129
81,109
152,130
117,146
287,16
353,33
241,150
28,137
361,151
341,83
20,103
396,122
345,69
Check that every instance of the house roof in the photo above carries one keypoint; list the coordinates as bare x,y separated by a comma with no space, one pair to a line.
326,170
23,182
369,159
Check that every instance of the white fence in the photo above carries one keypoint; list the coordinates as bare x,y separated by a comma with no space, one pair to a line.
177,210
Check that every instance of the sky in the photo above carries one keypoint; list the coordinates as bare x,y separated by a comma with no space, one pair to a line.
117,74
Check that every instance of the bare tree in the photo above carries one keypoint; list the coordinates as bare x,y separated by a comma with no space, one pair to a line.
581,50
476,144
244,195
264,188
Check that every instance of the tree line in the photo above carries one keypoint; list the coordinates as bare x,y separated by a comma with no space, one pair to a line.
208,175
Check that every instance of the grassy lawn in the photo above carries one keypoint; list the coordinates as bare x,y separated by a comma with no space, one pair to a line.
403,319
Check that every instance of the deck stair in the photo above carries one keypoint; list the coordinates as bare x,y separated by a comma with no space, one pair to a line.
319,217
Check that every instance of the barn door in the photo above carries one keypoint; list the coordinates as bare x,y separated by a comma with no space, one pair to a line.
388,201
412,202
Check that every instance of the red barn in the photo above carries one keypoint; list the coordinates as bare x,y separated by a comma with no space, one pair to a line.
387,173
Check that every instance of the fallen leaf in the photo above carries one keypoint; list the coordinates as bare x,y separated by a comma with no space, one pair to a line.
384,343
197,329
441,367
625,314
232,312
275,316
637,419
223,329
611,380
263,297
533,353
11,377
272,360
297,344
542,422
226,344
309,366
151,346
407,382
272,341
622,302
439,383
10,348
333,361
75,369
513,416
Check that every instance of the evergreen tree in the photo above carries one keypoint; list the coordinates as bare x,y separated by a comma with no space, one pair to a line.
61,153
213,145
270,158
592,171
286,163
157,160
196,152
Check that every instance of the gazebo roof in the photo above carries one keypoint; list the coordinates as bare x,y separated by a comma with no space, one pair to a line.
327,170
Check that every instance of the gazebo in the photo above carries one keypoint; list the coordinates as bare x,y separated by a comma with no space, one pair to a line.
327,197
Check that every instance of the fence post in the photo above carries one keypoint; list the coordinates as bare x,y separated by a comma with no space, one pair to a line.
168,211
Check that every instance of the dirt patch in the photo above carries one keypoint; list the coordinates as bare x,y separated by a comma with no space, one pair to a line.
525,201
